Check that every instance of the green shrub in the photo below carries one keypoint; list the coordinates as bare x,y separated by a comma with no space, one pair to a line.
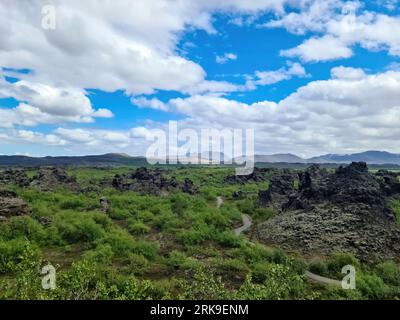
79,227
178,260
318,267
138,264
102,254
389,272
231,265
138,228
280,283
120,242
12,252
72,204
203,286
179,203
23,227
196,235
338,260
371,286
228,239
145,248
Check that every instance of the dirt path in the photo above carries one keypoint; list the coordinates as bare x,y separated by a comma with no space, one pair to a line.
247,223
316,278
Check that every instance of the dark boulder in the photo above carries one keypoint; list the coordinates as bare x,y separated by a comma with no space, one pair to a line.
50,178
154,182
14,177
11,205
189,187
256,176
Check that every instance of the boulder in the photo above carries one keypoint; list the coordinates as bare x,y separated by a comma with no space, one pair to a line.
14,177
11,205
256,176
50,178
154,182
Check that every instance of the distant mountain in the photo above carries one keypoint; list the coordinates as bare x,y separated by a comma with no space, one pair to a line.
280,157
372,157
110,159
116,159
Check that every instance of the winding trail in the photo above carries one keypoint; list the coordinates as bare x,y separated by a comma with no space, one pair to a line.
247,223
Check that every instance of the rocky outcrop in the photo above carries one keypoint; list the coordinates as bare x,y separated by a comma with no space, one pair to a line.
154,182
50,178
258,175
14,177
11,205
189,187
281,186
344,210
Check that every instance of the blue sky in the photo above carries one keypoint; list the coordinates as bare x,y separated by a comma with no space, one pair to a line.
308,76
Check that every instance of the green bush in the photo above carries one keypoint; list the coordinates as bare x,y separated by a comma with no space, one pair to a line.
12,252
371,286
338,260
79,227
23,227
178,260
72,204
102,254
120,242
389,272
228,239
145,248
138,264
318,267
138,228
280,283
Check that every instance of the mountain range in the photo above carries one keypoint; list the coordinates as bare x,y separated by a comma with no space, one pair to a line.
115,159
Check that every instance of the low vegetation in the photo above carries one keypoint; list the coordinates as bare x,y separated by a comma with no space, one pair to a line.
176,246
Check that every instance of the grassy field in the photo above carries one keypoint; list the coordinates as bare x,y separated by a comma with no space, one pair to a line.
172,247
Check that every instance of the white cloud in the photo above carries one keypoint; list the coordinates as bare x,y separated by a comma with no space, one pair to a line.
347,73
350,112
128,45
341,28
225,58
153,103
41,103
263,78
320,49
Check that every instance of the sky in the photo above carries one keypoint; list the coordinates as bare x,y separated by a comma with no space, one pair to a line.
90,77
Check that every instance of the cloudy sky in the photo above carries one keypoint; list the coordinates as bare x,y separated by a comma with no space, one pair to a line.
309,76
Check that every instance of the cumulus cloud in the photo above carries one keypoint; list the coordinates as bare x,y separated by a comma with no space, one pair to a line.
320,49
263,78
128,45
225,57
350,112
41,103
153,103
347,73
342,25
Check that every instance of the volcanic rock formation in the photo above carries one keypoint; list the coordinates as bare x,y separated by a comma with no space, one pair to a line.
11,205
50,178
153,182
346,210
